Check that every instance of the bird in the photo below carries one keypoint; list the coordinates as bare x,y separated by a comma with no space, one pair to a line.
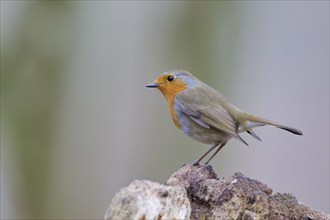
203,113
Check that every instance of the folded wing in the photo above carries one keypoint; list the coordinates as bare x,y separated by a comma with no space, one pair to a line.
204,105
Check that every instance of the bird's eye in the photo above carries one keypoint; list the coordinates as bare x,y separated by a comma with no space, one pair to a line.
170,78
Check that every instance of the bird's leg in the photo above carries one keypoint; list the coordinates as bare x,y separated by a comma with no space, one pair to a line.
196,163
219,148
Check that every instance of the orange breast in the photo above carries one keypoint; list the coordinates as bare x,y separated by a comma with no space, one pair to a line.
174,114
170,93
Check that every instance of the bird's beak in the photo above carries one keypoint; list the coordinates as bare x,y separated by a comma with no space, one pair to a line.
152,85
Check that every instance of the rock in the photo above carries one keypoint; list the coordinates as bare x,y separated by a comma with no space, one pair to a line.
196,192
144,199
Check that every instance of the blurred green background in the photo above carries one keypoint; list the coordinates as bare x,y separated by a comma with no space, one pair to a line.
77,123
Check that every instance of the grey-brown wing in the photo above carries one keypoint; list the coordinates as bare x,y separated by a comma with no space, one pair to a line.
204,106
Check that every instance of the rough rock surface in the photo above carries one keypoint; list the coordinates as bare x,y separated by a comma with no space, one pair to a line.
195,192
144,199
237,197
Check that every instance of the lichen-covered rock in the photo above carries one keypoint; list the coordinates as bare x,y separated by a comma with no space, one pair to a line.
144,199
237,197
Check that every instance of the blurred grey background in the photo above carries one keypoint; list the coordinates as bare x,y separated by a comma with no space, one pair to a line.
77,123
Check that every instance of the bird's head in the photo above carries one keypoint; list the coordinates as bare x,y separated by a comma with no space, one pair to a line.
172,82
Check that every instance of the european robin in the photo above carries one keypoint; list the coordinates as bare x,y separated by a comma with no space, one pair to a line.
203,113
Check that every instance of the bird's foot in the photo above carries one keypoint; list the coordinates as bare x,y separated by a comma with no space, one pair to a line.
196,163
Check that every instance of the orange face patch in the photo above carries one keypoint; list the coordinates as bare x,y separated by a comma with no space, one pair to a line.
170,86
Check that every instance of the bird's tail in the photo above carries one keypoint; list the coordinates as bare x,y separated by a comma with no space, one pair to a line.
249,121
